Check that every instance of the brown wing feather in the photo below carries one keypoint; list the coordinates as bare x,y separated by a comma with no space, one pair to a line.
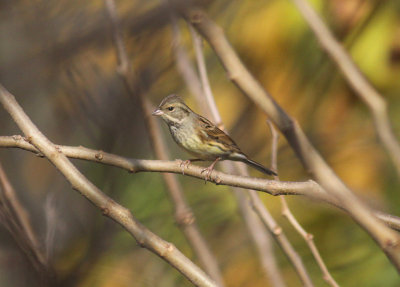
215,134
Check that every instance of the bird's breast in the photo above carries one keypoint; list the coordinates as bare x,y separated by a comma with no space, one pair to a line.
191,142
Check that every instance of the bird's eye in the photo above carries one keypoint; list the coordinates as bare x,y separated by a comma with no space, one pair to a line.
170,109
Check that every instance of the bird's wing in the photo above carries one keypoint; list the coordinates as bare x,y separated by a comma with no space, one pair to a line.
213,133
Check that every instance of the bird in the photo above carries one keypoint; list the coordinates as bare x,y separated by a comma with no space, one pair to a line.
200,137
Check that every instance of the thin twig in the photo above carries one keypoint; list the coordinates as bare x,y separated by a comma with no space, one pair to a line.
278,234
109,207
16,220
201,64
21,214
183,214
255,200
261,238
308,237
387,239
365,91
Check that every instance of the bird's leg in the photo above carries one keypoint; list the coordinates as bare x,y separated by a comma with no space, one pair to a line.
209,169
185,163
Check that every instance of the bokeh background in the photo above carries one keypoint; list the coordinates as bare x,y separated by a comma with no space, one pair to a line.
58,59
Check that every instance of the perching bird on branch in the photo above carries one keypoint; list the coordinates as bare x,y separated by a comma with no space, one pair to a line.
199,136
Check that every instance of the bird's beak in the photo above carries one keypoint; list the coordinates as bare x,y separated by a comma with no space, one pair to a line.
157,112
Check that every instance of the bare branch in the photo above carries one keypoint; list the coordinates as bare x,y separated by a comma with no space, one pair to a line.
366,92
307,188
261,238
387,239
308,237
201,64
183,214
278,234
310,188
109,207
255,200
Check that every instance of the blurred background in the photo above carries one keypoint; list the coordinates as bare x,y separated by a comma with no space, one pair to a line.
58,59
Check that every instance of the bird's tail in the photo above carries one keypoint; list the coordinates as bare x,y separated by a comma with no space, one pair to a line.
259,167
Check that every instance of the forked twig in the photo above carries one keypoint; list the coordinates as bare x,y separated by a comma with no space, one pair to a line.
308,237
255,200
278,233
261,239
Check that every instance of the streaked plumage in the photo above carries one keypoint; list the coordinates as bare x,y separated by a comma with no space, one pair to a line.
199,136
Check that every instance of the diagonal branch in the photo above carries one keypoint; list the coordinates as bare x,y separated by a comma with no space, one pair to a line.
278,234
308,237
261,239
365,91
255,201
109,207
387,239
183,213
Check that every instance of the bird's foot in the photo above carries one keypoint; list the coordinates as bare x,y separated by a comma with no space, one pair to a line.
184,164
208,171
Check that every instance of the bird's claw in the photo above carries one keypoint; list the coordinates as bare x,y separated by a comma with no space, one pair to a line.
208,171
184,164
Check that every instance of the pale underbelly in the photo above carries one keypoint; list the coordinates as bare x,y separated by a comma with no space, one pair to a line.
196,147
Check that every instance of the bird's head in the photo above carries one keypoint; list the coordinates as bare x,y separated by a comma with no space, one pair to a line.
172,110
